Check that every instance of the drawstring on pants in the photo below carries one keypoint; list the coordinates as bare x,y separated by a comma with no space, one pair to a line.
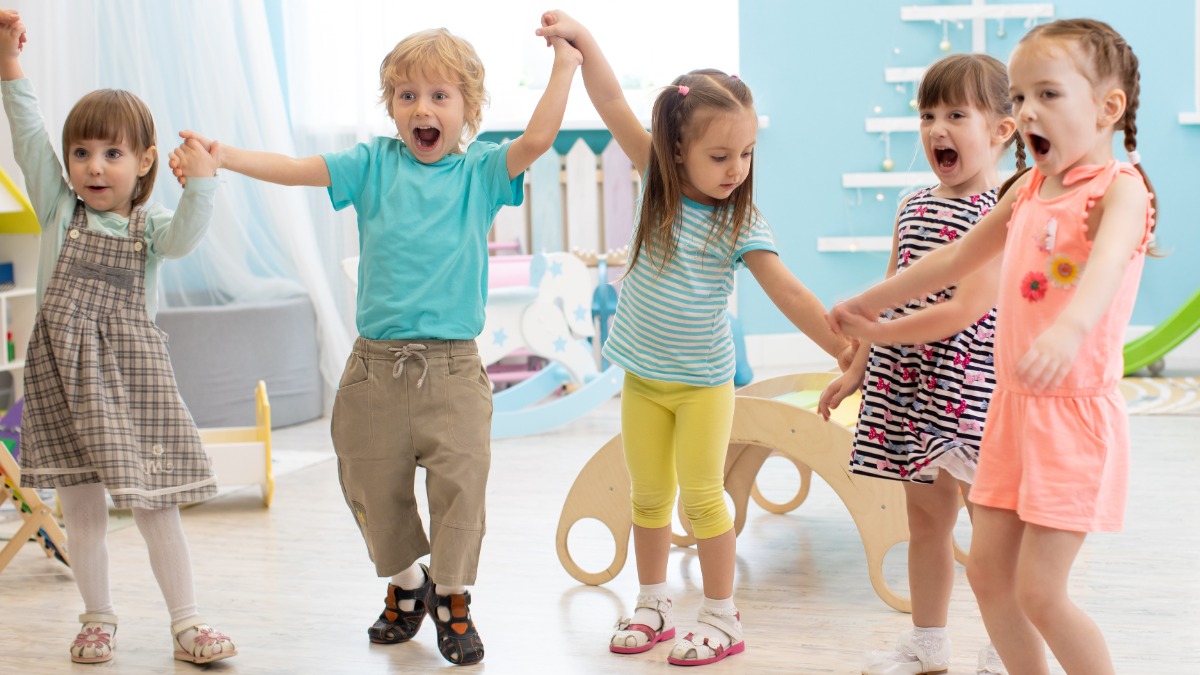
402,354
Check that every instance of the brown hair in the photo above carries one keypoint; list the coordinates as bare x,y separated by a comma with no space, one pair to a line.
1102,56
437,51
676,118
976,80
118,116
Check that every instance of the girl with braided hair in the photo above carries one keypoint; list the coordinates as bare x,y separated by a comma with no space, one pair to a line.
1054,458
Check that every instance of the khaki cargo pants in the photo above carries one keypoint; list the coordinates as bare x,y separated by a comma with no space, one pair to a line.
408,403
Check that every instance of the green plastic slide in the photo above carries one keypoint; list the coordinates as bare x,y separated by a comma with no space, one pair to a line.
1149,348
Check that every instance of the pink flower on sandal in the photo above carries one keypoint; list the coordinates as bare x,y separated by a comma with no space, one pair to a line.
93,637
209,637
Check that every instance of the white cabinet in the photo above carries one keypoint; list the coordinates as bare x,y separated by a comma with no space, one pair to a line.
19,233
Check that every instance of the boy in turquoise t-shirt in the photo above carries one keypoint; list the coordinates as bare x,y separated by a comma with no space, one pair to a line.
414,392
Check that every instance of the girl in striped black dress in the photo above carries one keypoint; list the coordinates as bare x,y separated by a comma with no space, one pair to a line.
924,402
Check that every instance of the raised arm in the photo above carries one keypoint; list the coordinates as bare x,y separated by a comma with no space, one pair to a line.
794,299
12,40
602,87
1120,232
268,166
548,115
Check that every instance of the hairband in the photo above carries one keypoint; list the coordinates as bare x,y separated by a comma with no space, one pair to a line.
683,90
1134,157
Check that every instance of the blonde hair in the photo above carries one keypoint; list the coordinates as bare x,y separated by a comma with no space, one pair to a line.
437,51
975,80
675,120
120,117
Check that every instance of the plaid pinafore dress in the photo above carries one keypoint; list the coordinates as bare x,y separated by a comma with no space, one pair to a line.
101,403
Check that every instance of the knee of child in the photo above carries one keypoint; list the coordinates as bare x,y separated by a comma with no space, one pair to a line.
1038,601
709,517
652,512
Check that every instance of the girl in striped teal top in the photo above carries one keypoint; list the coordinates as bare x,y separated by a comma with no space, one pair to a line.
696,225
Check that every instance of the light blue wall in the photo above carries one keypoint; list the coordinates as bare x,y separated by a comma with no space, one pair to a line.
817,88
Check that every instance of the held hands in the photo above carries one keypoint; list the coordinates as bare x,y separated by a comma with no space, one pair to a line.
196,157
847,356
12,34
854,319
556,23
1050,357
565,54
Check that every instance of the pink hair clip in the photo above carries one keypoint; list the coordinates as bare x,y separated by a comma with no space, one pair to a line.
683,90
734,76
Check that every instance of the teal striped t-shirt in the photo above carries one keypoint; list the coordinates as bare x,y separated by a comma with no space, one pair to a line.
670,325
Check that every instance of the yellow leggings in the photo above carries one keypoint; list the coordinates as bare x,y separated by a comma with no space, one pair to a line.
671,429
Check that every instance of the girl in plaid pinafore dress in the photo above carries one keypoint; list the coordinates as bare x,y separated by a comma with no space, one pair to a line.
102,409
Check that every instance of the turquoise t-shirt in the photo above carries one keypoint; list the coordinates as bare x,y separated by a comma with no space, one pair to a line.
422,231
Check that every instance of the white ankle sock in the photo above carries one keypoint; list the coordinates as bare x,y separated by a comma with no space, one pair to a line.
714,634
645,615
410,580
444,612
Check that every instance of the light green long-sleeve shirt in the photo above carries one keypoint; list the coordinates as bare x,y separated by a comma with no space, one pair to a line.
168,234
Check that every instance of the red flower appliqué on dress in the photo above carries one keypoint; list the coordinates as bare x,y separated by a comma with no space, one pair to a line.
1033,286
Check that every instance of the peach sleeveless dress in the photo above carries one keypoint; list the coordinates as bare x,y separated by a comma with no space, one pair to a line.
1059,458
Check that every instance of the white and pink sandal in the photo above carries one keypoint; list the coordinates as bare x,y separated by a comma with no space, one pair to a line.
691,651
207,646
635,638
96,639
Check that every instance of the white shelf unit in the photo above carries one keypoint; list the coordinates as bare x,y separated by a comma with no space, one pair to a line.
18,305
978,12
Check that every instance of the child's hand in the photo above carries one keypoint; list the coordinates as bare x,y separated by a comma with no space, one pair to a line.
556,23
565,54
847,356
836,392
197,166
1050,357
12,34
192,160
853,319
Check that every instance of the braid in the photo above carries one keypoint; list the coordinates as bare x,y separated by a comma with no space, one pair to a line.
1020,151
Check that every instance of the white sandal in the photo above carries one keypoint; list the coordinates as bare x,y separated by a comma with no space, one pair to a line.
96,639
989,662
207,646
692,652
635,638
912,656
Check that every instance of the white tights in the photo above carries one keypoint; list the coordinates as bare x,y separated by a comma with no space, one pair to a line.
86,514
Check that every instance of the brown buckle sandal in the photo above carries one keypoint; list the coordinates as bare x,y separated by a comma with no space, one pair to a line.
396,625
458,641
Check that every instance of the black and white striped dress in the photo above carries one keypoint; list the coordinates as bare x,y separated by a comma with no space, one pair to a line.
924,406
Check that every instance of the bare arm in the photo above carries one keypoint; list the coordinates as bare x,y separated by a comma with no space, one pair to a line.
267,166
972,298
548,115
603,88
941,268
794,299
1120,232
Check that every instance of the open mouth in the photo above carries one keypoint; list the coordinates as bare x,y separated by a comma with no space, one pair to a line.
1039,145
947,158
426,137
97,188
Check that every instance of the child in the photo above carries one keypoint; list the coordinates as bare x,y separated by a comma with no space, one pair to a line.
1054,459
414,392
924,403
101,406
697,222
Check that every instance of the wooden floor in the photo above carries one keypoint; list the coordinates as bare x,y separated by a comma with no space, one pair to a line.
293,585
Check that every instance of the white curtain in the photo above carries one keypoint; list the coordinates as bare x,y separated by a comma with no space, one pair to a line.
208,66
300,77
